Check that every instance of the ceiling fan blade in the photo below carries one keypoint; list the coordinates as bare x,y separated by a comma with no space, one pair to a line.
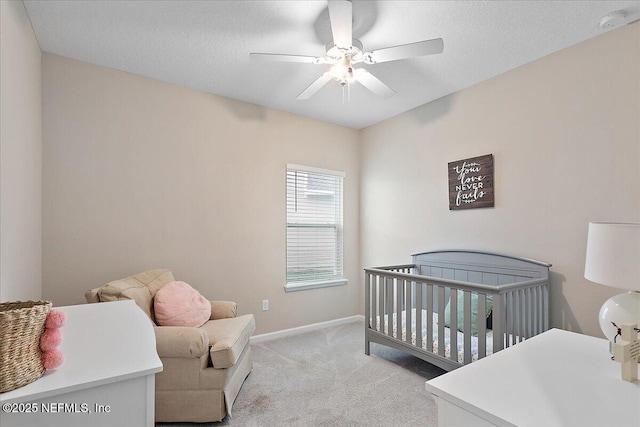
341,14
411,50
278,57
372,83
315,86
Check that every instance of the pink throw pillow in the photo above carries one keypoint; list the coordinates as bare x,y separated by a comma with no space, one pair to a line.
178,304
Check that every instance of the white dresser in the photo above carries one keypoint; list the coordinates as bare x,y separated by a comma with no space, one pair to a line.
107,379
557,378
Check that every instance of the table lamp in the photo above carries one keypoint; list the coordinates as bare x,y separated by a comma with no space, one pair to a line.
613,259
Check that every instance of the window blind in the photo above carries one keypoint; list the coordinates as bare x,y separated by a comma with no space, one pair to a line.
314,225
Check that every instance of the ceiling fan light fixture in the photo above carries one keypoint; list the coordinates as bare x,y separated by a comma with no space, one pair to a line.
345,51
342,71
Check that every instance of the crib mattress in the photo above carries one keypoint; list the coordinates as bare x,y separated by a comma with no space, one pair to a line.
447,336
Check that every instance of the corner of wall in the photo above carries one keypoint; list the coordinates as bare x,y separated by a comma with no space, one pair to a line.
21,156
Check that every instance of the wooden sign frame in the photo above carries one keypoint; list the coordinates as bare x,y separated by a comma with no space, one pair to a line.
471,183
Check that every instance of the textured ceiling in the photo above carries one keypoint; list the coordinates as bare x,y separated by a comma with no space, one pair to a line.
205,45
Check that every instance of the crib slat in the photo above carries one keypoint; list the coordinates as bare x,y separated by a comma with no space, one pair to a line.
408,285
533,312
399,298
378,288
539,292
429,325
381,290
521,315
516,316
453,322
467,327
520,318
441,321
385,300
541,307
536,317
419,314
375,288
482,325
525,312
507,318
498,323
545,307
374,298
382,287
532,296
389,305
511,316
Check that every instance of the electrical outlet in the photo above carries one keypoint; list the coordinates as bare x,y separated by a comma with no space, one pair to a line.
265,305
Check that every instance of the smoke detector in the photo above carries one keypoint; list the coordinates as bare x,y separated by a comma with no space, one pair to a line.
612,20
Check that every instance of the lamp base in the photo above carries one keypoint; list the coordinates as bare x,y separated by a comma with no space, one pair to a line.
619,309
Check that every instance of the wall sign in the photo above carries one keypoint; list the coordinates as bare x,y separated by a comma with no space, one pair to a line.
471,183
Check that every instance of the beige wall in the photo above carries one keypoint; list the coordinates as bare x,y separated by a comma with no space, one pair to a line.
142,174
20,156
565,135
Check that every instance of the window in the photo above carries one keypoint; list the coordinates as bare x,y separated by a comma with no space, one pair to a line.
314,228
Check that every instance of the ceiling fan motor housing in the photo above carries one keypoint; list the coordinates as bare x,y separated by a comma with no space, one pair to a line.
354,52
345,51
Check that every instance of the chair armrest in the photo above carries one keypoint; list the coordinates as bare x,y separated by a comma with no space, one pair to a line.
181,341
223,310
92,295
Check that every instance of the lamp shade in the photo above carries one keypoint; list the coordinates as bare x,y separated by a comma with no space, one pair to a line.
613,255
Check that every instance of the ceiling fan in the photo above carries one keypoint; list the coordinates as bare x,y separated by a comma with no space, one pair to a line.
344,52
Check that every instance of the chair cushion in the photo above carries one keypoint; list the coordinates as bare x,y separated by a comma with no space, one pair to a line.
227,338
178,304
141,288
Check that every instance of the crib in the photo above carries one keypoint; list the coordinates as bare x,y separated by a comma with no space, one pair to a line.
453,307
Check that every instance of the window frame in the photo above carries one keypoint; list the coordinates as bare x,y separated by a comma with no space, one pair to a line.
339,231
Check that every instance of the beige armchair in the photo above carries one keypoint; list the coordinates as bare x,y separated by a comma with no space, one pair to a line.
205,367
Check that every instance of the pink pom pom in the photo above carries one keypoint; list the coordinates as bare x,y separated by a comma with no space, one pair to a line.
52,359
55,319
50,339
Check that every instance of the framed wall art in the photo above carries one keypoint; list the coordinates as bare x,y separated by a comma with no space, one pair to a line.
471,183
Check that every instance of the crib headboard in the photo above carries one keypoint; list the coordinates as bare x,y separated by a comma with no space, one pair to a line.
479,267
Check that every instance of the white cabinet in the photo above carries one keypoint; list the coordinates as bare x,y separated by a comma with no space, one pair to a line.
107,378
557,378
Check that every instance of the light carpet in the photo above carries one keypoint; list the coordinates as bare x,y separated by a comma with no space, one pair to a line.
323,378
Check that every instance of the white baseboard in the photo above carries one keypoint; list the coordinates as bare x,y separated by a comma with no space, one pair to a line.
302,329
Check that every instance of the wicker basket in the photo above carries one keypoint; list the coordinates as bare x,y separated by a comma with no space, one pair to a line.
21,325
